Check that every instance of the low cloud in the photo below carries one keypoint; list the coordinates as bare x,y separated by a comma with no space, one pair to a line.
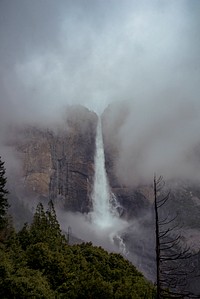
93,53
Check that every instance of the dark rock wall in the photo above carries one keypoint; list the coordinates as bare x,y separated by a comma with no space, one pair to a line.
60,166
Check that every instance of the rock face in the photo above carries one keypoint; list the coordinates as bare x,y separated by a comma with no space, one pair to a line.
60,165
36,158
135,202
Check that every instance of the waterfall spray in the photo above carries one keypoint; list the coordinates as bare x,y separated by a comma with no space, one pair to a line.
101,193
105,214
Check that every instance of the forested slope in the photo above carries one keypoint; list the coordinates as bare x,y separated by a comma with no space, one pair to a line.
37,262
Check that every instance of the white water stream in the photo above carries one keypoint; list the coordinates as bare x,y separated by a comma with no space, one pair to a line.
105,215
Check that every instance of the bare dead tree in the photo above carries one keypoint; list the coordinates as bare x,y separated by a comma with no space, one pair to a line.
172,258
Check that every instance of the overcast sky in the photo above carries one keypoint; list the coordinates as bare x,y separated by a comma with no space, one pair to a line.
94,52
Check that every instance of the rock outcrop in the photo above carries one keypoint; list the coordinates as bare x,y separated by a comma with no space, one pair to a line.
59,165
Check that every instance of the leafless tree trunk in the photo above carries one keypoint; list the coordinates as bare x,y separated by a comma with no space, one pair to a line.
172,260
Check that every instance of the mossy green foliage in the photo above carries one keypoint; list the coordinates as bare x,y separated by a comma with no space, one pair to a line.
37,262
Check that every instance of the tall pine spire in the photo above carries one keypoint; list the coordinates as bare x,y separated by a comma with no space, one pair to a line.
3,196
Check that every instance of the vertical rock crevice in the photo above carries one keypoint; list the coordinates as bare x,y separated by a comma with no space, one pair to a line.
60,165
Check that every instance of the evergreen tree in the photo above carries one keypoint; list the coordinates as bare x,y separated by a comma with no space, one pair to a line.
55,233
45,266
52,219
44,228
3,197
39,227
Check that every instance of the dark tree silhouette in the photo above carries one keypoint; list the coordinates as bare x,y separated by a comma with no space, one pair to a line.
3,197
172,258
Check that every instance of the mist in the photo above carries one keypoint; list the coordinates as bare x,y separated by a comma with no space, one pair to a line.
142,53
89,232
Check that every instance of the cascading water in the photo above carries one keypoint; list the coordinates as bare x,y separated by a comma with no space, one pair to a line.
105,214
101,194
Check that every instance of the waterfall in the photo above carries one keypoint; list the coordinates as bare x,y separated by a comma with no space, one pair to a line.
101,193
105,215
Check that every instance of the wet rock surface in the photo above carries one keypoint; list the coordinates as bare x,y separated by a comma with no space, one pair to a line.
60,165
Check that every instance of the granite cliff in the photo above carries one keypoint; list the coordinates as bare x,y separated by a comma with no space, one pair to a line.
59,164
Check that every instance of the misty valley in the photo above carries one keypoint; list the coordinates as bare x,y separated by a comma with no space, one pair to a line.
66,187
99,149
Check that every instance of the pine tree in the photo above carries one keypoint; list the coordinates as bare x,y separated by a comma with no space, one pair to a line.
52,219
55,232
3,197
45,227
39,226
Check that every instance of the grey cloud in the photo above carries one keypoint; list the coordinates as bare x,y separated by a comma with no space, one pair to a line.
55,53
